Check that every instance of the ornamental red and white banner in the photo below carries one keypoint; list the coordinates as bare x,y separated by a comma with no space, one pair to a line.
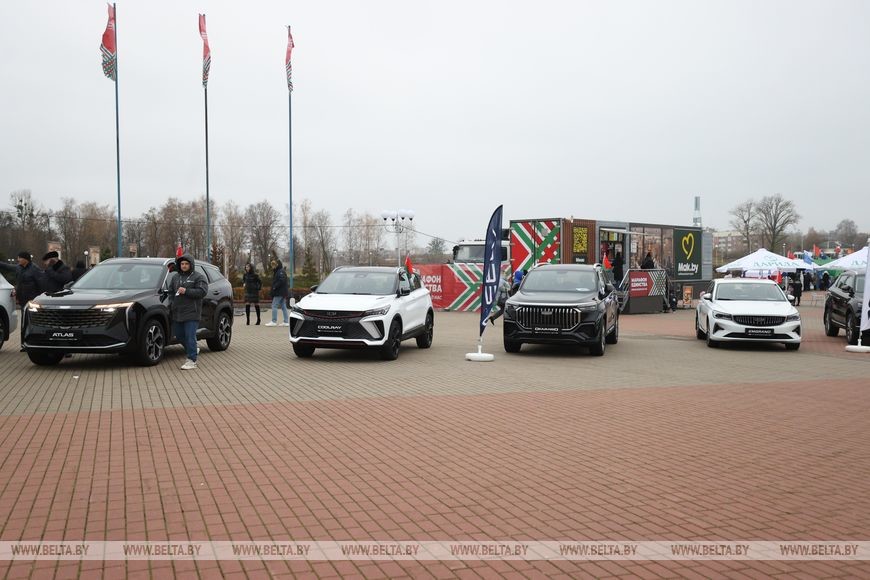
107,47
206,51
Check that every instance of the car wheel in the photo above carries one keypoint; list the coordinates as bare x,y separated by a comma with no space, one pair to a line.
512,346
851,329
699,334
44,358
597,349
792,345
710,342
830,329
152,343
4,332
390,349
303,350
425,339
223,334
613,337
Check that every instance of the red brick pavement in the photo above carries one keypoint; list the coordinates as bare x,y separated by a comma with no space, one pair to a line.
733,462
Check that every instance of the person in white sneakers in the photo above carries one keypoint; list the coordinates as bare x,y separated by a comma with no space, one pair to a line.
187,288
279,293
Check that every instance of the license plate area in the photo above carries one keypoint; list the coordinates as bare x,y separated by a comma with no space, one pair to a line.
330,329
65,335
759,332
549,330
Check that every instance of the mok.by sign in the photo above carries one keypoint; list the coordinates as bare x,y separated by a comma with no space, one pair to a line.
687,254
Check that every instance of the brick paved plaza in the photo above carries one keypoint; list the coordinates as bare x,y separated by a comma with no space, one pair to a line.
661,439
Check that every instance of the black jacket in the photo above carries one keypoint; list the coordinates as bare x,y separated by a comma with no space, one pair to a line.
56,276
187,306
279,283
29,281
253,285
648,264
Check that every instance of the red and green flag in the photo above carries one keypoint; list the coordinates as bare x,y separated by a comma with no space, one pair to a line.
287,64
206,51
107,47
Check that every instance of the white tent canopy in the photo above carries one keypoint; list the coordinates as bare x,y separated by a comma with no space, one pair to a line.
764,261
854,261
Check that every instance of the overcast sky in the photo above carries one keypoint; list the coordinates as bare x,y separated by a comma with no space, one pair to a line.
603,110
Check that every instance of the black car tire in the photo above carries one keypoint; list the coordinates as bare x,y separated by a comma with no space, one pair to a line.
712,343
792,345
425,339
699,334
223,334
613,337
390,349
303,350
830,328
599,347
44,358
512,346
852,329
151,344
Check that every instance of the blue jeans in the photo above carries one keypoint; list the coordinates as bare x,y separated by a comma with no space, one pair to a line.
279,300
185,332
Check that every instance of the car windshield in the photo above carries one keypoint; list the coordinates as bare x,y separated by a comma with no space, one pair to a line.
121,277
350,282
560,281
753,292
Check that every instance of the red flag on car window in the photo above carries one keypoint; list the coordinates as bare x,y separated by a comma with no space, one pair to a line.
179,251
408,265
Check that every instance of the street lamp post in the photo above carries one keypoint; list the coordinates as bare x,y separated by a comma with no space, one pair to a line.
397,222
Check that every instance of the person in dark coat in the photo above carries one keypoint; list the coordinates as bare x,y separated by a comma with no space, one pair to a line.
618,272
57,274
187,288
79,270
280,290
252,283
648,262
28,284
797,288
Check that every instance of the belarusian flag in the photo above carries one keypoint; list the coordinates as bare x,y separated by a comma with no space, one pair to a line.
408,265
107,47
287,61
206,51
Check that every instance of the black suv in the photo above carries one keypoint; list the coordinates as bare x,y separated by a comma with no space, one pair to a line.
562,304
120,306
843,307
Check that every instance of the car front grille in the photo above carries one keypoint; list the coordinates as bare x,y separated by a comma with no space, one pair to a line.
759,320
563,317
84,318
350,331
332,314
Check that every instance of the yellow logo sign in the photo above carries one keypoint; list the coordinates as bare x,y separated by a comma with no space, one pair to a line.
688,244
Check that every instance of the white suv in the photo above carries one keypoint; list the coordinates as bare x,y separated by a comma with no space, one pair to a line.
8,312
363,307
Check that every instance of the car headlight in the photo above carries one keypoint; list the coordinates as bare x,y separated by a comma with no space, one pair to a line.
33,306
793,318
295,308
722,316
510,311
113,307
588,306
377,311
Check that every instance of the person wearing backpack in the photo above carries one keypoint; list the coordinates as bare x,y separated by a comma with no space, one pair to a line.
253,284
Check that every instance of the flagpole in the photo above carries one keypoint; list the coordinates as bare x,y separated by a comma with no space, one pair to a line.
117,129
207,202
290,175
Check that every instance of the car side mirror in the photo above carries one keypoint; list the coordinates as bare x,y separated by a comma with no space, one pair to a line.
404,291
706,296
313,288
790,297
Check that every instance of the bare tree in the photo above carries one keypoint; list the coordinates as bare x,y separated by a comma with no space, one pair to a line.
235,234
775,215
745,221
324,239
846,233
69,229
372,237
264,222
351,237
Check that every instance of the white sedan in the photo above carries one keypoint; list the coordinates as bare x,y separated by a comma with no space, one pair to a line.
747,310
8,311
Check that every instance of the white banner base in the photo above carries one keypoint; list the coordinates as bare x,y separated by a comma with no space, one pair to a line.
479,356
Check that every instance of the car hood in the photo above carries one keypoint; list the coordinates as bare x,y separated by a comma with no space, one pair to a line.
523,297
755,307
73,297
345,302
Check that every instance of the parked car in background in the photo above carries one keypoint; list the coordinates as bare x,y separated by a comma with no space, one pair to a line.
563,304
8,311
747,310
363,307
121,306
843,307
